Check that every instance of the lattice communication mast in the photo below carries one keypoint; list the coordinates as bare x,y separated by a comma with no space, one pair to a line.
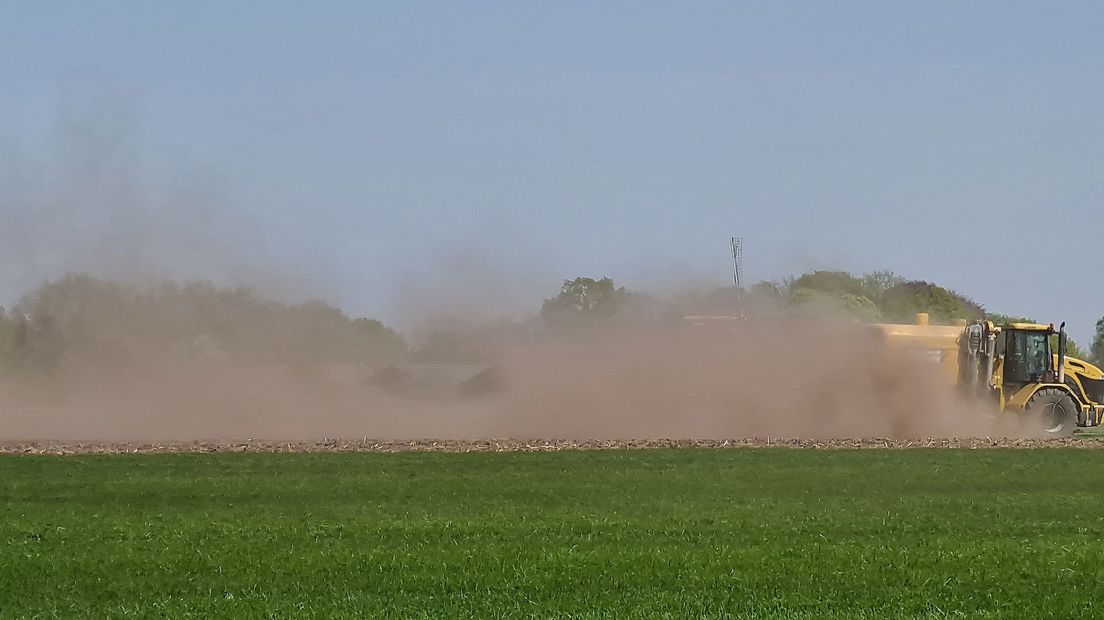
737,263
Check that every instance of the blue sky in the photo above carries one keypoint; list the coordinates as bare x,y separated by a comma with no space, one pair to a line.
383,153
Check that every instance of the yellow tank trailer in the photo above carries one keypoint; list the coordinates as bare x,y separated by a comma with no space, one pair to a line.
1013,366
935,344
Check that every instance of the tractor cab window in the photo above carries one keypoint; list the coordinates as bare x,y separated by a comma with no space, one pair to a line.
1026,356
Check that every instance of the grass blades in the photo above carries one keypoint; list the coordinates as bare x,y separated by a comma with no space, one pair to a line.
652,533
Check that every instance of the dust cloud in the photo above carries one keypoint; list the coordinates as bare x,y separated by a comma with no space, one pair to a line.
135,372
93,196
777,376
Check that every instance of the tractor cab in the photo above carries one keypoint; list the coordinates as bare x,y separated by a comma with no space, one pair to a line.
1014,363
1024,355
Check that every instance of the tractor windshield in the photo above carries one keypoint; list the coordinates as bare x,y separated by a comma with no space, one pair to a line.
1027,356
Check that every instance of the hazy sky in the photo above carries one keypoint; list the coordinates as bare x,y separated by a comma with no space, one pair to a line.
380,151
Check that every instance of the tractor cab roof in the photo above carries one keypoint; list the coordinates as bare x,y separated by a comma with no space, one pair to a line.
1028,327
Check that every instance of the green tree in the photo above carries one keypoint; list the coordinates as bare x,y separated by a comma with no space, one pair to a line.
835,282
836,292
847,304
83,320
861,307
767,290
584,298
373,334
1096,353
1072,348
903,301
877,283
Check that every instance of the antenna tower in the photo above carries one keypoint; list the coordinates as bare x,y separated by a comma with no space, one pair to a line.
737,260
737,263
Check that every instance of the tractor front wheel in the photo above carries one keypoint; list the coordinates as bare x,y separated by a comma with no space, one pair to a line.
1053,412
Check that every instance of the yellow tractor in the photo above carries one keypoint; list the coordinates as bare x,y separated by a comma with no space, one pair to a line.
1021,367
1014,364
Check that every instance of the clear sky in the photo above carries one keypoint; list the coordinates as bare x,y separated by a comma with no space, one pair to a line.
382,149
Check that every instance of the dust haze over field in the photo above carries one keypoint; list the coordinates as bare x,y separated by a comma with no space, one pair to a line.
132,372
771,377
96,197
140,366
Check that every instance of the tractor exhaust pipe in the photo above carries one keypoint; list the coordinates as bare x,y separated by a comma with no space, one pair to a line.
1062,353
990,352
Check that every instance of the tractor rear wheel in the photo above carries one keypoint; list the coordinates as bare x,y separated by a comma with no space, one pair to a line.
1053,412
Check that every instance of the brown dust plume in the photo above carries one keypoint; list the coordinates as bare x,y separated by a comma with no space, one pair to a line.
778,377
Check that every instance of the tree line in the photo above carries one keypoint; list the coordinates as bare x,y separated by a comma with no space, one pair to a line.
80,319
881,296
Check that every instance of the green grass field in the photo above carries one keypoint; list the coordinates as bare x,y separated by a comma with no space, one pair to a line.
1092,432
660,533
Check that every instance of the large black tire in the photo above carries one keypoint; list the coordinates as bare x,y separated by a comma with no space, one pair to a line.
1053,413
